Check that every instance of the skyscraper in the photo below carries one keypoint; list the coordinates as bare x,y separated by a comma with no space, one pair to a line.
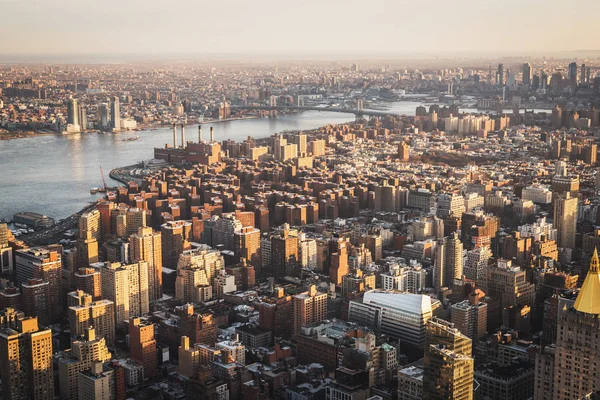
565,220
146,245
104,115
73,112
572,74
527,74
25,358
127,287
500,75
448,261
115,111
448,365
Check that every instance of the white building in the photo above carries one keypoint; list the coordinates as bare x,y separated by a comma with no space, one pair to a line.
538,229
538,194
449,204
224,284
401,315
307,249
404,278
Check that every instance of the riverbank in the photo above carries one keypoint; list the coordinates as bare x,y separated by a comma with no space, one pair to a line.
123,174
22,135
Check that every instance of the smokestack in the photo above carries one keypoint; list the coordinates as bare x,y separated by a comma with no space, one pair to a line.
199,133
174,136
212,134
182,136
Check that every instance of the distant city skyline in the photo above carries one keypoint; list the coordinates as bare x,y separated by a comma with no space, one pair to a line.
263,28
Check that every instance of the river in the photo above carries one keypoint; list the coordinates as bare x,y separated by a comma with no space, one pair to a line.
53,174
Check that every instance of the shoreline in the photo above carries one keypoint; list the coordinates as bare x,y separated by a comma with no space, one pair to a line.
29,134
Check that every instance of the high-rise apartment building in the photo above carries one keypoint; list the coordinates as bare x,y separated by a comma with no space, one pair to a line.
89,280
470,316
448,365
509,284
25,358
143,345
45,264
307,251
115,287
404,152
87,251
309,307
6,252
199,327
478,227
476,264
146,245
339,264
448,261
565,220
96,382
84,351
36,300
175,239
87,313
247,246
449,204
284,254
127,286
196,272
89,225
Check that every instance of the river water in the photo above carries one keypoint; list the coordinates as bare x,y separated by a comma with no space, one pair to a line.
53,174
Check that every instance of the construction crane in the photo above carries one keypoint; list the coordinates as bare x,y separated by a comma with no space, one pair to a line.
104,185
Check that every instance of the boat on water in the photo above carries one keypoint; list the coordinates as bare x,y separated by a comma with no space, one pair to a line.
130,139
95,190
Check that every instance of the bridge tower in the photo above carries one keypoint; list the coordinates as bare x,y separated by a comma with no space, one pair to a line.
359,108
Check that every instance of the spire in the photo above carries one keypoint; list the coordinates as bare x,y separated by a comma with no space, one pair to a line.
588,300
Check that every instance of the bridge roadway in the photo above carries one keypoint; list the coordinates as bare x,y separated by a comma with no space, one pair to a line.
48,235
355,111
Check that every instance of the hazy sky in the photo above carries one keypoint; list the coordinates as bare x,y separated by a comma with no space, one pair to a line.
326,27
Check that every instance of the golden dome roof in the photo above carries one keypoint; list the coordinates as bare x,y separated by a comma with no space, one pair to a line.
588,299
